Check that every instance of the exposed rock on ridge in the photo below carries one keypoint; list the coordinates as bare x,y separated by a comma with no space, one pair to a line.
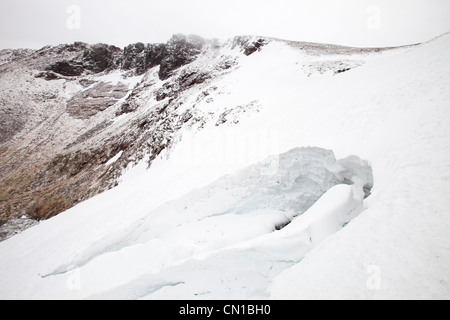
67,110
177,52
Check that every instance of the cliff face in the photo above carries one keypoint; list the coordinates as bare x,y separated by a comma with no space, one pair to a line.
67,110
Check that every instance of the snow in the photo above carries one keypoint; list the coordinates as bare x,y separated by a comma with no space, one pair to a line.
244,269
116,77
201,222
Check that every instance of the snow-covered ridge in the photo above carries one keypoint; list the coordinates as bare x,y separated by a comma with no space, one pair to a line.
179,140
67,110
229,214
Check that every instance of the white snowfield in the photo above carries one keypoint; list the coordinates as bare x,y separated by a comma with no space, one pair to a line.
260,208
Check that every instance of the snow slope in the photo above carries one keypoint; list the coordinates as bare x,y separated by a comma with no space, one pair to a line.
185,228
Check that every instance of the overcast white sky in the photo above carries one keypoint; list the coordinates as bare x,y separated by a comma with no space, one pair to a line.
363,23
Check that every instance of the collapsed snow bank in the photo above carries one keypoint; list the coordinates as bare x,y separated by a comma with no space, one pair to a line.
255,218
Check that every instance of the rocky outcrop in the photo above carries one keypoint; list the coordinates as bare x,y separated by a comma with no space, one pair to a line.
96,99
186,80
67,68
8,55
100,57
14,226
57,137
11,121
170,90
94,58
248,44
